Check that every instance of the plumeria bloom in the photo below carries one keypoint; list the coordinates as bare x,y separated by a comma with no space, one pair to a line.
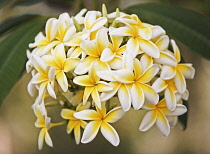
178,72
113,54
139,34
94,49
93,22
44,122
100,120
131,85
75,123
170,89
62,64
157,114
46,42
44,78
92,85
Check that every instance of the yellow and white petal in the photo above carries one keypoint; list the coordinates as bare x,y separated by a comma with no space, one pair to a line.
87,115
127,61
170,99
127,21
157,31
106,75
162,43
89,47
84,66
172,121
179,110
150,94
60,55
137,68
110,133
159,85
148,106
102,41
87,92
91,131
102,66
114,115
166,59
77,133
104,86
83,80
49,47
163,124
98,23
50,60
39,64
96,98
176,51
68,114
146,61
70,64
186,70
122,31
107,95
168,72
50,90
148,121
124,76
62,81
185,95
116,41
51,73
41,138
137,96
180,82
116,63
145,33
51,28
83,124
92,73
70,31
124,97
48,139
38,78
148,74
42,89
107,55
132,47
90,17
149,48
75,40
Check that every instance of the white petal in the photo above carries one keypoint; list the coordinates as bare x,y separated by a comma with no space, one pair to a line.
163,124
162,43
106,96
48,139
132,47
170,99
90,131
110,134
159,85
124,97
168,72
149,48
157,31
124,76
179,110
128,62
148,121
137,96
107,55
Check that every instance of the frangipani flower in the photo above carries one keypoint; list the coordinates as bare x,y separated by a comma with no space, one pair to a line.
100,120
179,72
46,42
131,85
94,49
140,36
157,114
93,85
44,122
75,123
44,78
62,64
170,90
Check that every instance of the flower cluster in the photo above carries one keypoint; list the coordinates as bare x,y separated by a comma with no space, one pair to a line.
84,63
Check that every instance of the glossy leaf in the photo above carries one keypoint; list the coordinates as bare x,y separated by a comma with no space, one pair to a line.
13,54
189,27
15,21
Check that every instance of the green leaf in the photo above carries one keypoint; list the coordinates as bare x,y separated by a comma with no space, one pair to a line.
189,27
13,54
15,21
26,2
183,118
2,2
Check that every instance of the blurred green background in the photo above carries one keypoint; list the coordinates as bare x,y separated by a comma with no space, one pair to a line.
19,135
